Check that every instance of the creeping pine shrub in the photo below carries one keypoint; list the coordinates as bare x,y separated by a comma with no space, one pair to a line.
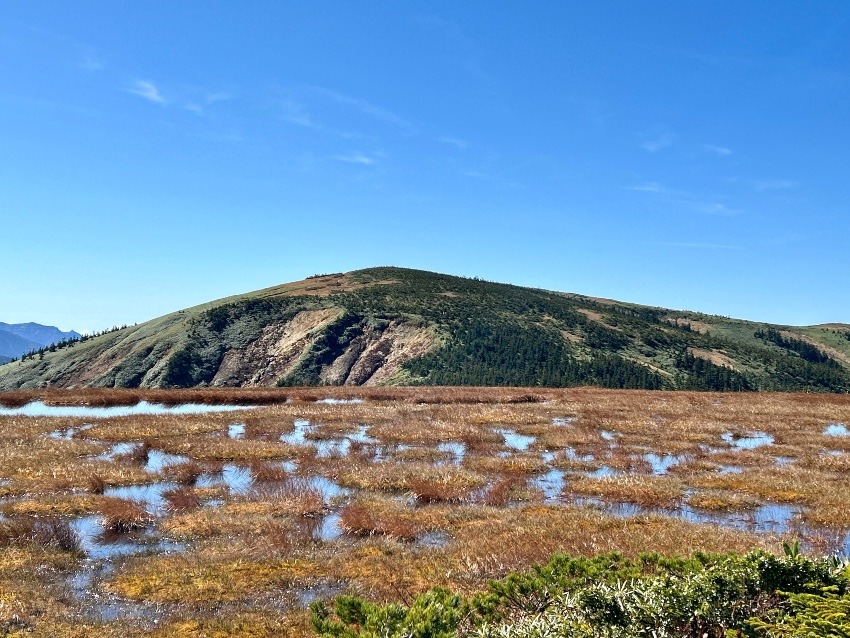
434,614
612,596
822,614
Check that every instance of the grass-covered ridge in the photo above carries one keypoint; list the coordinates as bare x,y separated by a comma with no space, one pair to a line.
399,326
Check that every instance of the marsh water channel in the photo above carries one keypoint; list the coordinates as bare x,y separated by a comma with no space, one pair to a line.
161,462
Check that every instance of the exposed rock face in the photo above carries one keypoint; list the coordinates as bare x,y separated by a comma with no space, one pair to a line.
274,354
371,358
384,357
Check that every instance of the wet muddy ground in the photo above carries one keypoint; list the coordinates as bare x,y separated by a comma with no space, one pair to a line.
148,519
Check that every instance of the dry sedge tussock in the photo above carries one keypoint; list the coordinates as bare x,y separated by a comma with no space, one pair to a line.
245,625
648,491
781,484
489,543
211,448
723,501
181,500
120,515
46,532
430,483
507,489
379,517
54,505
524,463
294,496
203,580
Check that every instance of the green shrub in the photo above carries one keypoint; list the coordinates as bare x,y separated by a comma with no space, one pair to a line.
759,594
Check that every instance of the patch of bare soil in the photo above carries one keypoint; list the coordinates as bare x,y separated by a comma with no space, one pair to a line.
399,344
832,352
713,356
272,355
697,326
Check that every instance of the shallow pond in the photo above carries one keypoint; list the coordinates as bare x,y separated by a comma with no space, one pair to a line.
515,440
150,496
836,429
98,544
70,433
298,436
551,484
749,442
237,479
455,449
660,463
41,409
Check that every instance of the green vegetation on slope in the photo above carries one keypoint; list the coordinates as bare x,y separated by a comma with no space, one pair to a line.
481,333
757,594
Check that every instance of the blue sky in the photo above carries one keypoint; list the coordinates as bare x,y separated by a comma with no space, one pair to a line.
692,155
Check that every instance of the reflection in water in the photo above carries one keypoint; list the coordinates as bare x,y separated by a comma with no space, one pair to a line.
515,440
149,496
836,429
757,439
663,462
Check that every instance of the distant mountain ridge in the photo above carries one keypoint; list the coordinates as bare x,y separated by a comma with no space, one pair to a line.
17,339
397,326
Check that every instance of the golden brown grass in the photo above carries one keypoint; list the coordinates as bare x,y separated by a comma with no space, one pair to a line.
647,491
248,558
720,501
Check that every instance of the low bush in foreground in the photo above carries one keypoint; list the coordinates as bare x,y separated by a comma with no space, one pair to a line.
756,594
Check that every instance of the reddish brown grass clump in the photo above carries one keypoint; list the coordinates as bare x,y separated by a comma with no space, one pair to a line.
96,484
186,473
364,518
121,516
429,490
181,500
295,497
48,532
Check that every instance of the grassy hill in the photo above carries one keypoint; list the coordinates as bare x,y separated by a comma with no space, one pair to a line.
401,326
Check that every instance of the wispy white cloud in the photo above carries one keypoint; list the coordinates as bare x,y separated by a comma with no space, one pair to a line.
198,106
367,108
356,158
648,187
715,208
655,145
147,90
684,200
220,96
775,184
295,112
453,141
717,150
